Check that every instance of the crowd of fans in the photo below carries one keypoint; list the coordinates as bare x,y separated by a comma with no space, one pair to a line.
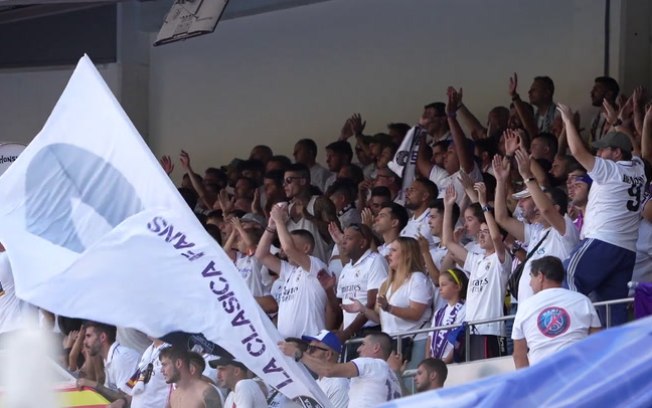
426,226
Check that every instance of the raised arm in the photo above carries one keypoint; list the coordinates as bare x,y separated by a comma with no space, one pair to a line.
512,225
280,216
494,231
577,148
184,158
646,137
541,200
458,251
263,253
424,247
478,131
424,153
464,156
527,118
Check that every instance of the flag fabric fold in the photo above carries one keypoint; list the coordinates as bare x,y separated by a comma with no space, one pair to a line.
95,229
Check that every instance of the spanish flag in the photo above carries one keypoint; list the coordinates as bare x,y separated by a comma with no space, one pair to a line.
74,398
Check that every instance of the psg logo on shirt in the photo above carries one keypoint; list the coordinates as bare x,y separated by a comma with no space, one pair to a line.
553,321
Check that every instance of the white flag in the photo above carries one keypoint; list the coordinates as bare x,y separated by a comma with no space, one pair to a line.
95,229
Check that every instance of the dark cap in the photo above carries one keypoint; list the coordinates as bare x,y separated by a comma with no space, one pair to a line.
614,139
225,360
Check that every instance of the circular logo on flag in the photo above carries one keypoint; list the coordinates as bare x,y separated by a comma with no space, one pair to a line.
402,158
553,321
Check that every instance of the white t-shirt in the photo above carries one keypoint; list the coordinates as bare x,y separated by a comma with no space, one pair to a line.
441,177
302,304
376,383
155,392
418,288
613,209
251,270
319,175
552,320
13,311
120,365
486,294
247,394
419,226
555,244
336,389
368,273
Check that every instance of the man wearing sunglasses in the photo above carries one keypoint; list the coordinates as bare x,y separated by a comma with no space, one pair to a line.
326,346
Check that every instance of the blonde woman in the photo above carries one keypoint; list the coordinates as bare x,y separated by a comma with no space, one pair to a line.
405,298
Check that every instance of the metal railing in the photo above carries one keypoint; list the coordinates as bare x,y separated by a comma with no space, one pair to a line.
467,333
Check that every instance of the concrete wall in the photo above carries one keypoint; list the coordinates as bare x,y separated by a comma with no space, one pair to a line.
275,77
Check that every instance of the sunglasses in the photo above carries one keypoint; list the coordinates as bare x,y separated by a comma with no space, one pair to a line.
290,179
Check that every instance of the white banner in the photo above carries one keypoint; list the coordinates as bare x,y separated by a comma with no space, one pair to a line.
8,154
95,229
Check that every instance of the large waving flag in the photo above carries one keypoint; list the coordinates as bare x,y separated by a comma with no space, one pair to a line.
95,229
612,368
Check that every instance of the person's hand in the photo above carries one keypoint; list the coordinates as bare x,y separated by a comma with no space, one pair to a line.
382,302
513,85
627,110
512,141
226,204
354,307
357,124
450,196
184,159
237,225
166,163
621,100
327,280
454,101
648,114
639,97
609,113
288,348
335,232
85,382
69,340
256,207
346,131
367,217
458,234
279,213
567,113
466,181
424,245
481,189
523,162
501,168
397,363
364,187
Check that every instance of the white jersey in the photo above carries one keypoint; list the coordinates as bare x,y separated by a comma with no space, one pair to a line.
613,209
643,266
319,175
302,304
555,244
418,288
251,271
14,313
155,392
438,253
119,366
246,394
552,320
368,273
376,383
336,389
486,293
441,177
322,248
419,226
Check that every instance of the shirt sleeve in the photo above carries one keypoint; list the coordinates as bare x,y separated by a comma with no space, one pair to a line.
125,369
377,273
286,269
437,174
517,328
604,170
471,260
364,365
420,288
316,265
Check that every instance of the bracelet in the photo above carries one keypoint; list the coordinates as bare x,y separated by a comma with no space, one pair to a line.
530,179
270,229
486,208
298,355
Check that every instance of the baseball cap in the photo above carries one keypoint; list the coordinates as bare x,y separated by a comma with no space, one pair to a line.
614,139
255,218
525,193
226,359
328,338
